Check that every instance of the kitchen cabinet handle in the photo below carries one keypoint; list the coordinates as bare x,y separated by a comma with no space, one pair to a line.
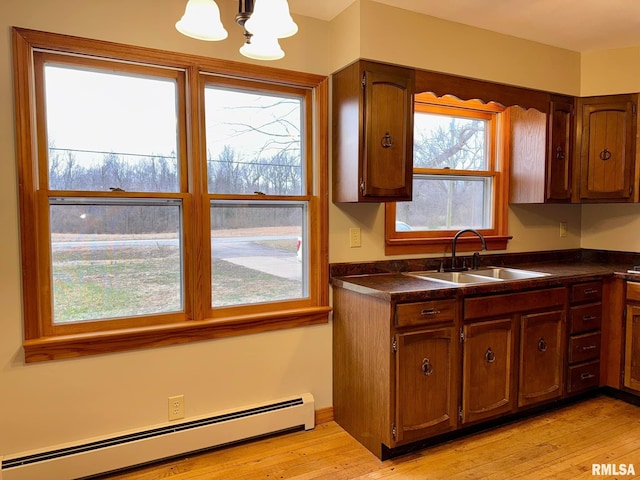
589,347
586,376
588,318
605,154
429,311
559,153
387,141
542,345
427,368
489,356
591,291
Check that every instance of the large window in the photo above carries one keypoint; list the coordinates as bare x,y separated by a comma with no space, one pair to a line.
458,179
165,200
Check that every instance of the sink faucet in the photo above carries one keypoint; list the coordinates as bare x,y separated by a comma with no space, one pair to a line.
453,247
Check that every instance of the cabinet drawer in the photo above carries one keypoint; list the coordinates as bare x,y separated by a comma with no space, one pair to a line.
584,347
585,318
585,292
633,291
425,313
584,376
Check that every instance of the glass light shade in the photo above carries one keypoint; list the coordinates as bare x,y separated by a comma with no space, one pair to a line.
262,48
272,18
201,20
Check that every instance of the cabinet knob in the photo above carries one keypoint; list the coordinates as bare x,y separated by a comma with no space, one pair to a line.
489,356
542,345
427,368
605,154
387,141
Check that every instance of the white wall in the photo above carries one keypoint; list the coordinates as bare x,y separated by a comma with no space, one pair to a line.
63,401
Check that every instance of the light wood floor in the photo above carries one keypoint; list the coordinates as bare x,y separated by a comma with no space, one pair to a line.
562,444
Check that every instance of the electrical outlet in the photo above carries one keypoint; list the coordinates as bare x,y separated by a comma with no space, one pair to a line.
176,407
354,237
563,229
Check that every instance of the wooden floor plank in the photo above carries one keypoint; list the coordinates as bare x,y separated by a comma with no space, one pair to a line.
561,444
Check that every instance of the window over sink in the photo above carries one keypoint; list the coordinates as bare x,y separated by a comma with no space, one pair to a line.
459,177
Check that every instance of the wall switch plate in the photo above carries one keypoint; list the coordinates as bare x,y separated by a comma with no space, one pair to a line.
563,229
354,237
176,407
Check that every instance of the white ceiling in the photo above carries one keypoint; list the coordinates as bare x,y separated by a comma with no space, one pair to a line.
578,25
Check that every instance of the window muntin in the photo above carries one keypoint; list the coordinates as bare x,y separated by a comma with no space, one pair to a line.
197,320
457,177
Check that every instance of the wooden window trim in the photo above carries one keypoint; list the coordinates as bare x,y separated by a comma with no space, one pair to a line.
194,324
411,242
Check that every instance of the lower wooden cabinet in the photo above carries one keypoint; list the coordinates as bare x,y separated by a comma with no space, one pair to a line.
488,361
501,373
541,357
405,372
584,340
396,368
632,338
426,383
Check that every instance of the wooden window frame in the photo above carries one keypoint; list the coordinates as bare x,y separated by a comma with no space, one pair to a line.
198,321
421,241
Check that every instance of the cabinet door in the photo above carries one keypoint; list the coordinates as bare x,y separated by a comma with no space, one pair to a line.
560,150
632,349
541,350
426,392
487,369
387,160
607,149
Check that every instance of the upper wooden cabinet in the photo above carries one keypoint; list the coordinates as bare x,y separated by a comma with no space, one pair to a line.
541,152
559,149
372,133
607,128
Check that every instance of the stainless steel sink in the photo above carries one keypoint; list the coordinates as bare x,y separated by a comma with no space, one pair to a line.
455,278
505,273
485,275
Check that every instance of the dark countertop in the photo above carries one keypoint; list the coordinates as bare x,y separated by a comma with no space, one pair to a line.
397,286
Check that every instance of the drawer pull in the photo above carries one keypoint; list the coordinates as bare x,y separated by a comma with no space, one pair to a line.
489,356
429,311
589,347
591,291
588,318
586,376
427,368
542,345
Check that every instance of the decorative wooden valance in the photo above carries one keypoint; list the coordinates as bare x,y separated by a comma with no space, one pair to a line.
471,89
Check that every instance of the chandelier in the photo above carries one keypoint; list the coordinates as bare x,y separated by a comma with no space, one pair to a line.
264,23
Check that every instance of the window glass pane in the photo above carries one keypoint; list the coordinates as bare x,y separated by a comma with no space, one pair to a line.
443,141
109,130
446,203
112,261
259,252
254,142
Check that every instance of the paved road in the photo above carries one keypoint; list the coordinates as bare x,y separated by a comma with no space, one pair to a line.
239,250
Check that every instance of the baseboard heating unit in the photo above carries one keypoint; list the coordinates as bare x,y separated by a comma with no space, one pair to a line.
72,461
